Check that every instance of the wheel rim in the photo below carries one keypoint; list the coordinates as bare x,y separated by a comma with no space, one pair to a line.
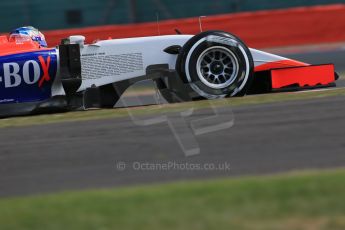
217,67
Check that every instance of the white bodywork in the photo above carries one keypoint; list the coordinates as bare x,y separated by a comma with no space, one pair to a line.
111,61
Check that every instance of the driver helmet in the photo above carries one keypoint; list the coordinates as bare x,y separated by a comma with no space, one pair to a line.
31,32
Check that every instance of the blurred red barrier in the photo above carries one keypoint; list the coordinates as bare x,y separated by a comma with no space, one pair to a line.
295,26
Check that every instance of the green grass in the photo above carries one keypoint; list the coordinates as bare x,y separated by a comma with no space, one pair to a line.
152,110
308,200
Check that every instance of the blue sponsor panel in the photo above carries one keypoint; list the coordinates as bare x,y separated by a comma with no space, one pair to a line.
27,77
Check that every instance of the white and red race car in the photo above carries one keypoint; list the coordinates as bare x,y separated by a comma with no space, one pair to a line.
210,65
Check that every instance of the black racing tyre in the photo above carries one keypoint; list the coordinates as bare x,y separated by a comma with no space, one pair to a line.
216,64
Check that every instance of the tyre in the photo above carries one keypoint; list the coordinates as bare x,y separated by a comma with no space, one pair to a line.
216,64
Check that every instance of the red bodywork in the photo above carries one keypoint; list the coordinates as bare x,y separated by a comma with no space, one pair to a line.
8,47
290,73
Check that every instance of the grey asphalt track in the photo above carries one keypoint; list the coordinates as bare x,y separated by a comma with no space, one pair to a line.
337,57
267,138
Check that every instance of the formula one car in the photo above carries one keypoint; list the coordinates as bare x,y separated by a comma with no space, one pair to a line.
210,65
